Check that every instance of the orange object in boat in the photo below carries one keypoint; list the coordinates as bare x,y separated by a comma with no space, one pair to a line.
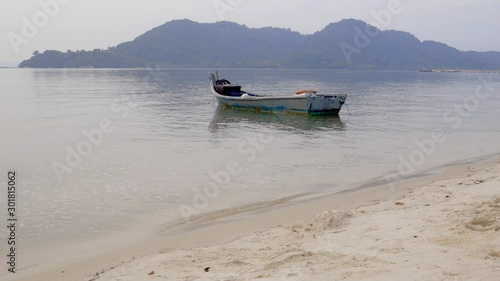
305,91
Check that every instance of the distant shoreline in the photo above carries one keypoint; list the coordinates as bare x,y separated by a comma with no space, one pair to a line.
424,70
181,43
458,70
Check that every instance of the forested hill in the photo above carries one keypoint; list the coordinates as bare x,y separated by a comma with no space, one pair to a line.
346,44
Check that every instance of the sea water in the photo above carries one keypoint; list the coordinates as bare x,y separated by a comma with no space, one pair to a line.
103,152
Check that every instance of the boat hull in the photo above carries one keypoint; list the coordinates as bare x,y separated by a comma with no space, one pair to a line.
305,104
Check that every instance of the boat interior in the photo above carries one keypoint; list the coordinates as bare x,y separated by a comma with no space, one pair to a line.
226,88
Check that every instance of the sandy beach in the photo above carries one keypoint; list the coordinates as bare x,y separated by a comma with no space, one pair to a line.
231,140
442,227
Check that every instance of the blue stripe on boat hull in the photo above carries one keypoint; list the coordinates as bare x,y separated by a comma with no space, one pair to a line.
300,106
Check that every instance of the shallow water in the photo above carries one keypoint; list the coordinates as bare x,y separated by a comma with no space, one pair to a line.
167,143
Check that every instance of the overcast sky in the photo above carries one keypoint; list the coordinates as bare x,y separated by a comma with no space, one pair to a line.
91,24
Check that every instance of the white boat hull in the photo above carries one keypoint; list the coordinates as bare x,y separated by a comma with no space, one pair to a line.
307,103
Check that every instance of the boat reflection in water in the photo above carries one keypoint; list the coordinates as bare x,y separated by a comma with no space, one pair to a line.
225,118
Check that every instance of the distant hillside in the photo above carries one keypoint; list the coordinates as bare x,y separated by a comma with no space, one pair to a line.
346,44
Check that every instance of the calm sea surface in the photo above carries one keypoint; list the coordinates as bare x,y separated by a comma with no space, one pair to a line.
101,152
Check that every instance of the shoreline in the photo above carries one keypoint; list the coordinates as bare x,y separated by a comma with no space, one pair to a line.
228,224
435,173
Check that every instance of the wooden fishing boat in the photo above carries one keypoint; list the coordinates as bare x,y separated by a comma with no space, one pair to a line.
304,101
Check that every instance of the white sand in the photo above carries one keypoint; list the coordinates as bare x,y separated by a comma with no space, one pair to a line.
446,230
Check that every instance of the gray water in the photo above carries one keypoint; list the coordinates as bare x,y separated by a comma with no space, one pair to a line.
168,138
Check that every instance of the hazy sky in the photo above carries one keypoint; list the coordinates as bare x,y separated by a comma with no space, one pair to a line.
90,24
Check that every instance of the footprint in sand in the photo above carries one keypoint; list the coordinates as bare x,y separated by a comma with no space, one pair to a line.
487,217
482,224
494,254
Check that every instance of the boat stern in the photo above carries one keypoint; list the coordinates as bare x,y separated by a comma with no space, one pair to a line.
320,104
